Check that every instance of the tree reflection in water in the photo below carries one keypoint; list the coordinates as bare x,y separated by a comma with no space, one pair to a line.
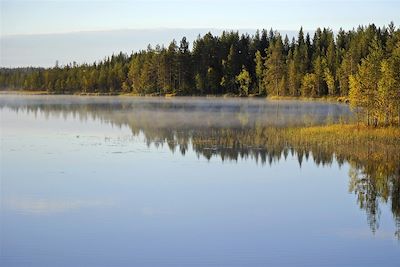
233,130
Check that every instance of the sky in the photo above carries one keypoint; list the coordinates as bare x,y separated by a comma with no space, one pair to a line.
56,16
30,20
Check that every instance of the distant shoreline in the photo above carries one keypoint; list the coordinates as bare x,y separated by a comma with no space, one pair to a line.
299,98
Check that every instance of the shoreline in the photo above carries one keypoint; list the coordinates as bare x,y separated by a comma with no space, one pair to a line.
336,99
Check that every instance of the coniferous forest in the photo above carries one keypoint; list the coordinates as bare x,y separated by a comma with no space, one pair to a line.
361,65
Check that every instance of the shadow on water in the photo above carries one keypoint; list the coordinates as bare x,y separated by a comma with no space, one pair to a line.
233,129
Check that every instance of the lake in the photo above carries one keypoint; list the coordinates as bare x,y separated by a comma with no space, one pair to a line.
123,181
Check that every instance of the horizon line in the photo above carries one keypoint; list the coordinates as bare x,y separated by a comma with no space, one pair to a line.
181,28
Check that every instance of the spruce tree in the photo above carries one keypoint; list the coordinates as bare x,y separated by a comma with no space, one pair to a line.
274,67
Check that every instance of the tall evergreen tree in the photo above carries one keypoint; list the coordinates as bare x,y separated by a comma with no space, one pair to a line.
259,60
274,67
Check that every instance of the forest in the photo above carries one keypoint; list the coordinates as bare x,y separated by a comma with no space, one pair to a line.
361,66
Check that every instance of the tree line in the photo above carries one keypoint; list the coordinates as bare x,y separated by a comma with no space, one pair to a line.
362,64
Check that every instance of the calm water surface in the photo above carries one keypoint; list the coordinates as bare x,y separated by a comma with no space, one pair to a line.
106,181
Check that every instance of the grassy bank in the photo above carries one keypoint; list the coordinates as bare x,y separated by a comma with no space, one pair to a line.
303,98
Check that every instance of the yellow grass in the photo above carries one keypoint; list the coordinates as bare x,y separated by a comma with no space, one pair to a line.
302,98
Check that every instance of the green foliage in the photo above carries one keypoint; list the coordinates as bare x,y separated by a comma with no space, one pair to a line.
330,82
364,91
244,81
309,85
387,92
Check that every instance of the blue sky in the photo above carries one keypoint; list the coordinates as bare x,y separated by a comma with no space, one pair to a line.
39,33
56,16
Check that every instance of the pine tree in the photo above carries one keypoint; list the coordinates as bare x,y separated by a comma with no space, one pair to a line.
230,70
134,74
347,68
319,66
274,66
301,61
185,67
259,73
293,85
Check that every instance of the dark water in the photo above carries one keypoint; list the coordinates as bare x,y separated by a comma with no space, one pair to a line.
185,182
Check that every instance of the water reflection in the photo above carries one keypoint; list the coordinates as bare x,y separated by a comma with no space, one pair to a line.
183,112
238,129
48,206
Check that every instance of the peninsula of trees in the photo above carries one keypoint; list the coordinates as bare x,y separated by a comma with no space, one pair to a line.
362,65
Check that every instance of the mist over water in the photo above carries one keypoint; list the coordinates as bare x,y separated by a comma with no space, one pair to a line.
194,112
121,181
